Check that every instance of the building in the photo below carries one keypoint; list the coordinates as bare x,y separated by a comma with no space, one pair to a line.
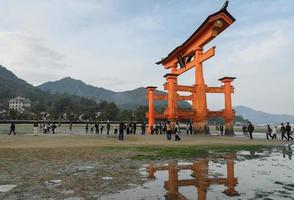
19,104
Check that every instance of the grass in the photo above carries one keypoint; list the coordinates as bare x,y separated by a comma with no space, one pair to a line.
182,152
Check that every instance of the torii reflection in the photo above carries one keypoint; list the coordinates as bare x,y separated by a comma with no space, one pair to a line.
200,179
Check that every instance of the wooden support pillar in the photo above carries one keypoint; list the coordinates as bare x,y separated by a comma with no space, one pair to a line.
231,183
172,96
228,112
200,169
173,181
151,112
199,98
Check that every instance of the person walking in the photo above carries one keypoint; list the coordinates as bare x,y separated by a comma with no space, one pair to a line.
190,128
160,128
87,128
53,127
121,131
143,128
96,128
134,128
283,131
274,135
168,130
177,133
12,129
288,131
101,128
221,129
107,127
268,132
35,127
250,130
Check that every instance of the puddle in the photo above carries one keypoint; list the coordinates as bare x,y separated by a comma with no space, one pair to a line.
6,188
244,175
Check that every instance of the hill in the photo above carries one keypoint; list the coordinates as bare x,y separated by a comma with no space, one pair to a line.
127,100
260,117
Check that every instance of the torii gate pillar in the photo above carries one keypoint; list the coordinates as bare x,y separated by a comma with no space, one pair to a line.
151,113
199,98
172,96
228,112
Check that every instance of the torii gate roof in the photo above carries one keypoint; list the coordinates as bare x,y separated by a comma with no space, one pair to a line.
208,23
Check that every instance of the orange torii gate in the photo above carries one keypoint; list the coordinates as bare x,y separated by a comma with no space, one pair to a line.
201,179
185,57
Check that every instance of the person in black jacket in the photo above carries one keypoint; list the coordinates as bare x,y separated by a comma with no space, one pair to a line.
221,129
283,131
12,129
107,128
250,130
288,130
121,131
143,128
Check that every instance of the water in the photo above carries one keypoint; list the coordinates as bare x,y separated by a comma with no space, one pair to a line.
245,175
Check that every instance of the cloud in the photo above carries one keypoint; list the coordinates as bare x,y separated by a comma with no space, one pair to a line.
23,53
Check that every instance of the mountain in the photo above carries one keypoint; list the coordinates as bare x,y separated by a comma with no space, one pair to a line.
12,86
260,117
128,99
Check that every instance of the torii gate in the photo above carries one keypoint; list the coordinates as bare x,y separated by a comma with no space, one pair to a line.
201,179
185,57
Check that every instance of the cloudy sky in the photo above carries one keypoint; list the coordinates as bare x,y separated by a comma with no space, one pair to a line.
115,44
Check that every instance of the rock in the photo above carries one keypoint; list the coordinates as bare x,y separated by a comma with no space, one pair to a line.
73,198
6,188
107,178
54,182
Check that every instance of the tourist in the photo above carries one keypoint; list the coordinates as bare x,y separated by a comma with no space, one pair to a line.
190,128
168,130
96,128
87,128
288,131
164,128
70,126
92,129
128,128
121,131
274,136
107,127
53,127
12,129
143,128
160,128
115,130
156,129
217,129
187,128
250,130
152,129
178,127
101,128
134,128
35,127
177,133
221,130
283,131
268,131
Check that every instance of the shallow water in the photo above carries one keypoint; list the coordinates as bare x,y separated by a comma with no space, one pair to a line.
260,175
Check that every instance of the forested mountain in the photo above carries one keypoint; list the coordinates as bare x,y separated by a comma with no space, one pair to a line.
55,104
127,100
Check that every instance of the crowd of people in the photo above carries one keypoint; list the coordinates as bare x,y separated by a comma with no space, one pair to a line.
162,128
271,133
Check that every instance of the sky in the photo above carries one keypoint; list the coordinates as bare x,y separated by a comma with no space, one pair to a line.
115,43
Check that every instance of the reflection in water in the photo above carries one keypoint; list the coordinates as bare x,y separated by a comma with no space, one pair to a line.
200,180
287,150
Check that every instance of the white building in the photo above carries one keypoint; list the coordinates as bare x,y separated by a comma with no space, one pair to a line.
19,104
